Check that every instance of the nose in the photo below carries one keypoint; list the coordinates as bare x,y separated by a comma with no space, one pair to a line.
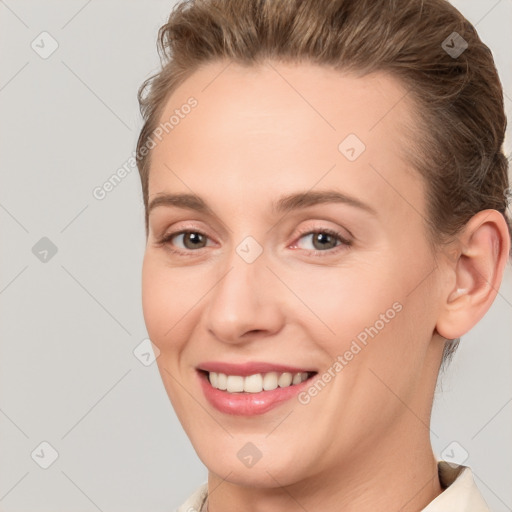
244,303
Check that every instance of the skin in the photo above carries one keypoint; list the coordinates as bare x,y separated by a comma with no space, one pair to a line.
258,133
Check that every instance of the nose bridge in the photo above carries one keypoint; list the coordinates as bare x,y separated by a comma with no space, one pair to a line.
241,300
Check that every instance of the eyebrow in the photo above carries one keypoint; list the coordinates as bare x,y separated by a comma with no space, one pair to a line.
283,205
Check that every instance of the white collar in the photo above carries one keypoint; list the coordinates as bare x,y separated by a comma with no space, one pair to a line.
461,493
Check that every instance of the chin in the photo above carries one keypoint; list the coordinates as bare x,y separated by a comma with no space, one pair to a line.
241,462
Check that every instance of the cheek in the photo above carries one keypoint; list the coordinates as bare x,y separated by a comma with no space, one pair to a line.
366,311
167,303
160,300
346,300
152,303
171,300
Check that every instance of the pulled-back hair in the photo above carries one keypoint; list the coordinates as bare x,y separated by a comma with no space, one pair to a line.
458,98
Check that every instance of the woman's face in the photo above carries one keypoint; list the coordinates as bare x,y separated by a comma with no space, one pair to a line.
340,281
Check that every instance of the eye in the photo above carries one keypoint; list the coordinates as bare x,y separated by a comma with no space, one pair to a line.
192,239
322,240
184,241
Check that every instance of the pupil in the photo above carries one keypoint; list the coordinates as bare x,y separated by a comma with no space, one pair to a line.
322,238
194,238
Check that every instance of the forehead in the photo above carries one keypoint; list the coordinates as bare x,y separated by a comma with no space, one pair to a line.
328,100
284,126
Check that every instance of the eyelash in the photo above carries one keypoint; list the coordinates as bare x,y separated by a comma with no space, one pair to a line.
164,240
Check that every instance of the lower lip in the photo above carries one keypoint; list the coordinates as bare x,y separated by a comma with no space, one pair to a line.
248,404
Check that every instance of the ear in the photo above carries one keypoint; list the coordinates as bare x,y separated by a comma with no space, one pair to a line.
474,273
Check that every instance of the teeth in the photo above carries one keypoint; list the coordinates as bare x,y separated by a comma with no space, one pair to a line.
235,384
285,379
270,381
255,383
214,379
222,381
297,378
252,384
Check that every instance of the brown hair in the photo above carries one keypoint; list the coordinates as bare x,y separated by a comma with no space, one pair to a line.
458,98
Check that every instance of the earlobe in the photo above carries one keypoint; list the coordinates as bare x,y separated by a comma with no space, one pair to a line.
476,273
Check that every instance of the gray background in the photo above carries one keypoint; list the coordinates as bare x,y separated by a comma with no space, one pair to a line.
68,375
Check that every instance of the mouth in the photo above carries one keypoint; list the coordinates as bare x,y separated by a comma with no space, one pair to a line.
255,383
251,389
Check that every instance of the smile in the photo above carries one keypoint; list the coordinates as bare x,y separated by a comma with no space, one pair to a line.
252,388
255,383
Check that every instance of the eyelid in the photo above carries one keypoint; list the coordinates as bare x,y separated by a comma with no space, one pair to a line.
165,219
324,229
345,242
179,227
168,234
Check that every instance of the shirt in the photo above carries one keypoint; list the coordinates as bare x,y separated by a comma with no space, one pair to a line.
460,493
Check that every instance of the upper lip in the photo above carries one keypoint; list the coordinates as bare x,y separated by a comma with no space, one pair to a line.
250,368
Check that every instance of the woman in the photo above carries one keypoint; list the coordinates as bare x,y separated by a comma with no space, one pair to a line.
325,192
